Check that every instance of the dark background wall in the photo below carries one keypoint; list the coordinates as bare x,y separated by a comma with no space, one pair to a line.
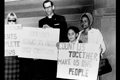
104,11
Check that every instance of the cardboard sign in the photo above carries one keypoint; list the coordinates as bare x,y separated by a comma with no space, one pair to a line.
39,43
12,39
78,61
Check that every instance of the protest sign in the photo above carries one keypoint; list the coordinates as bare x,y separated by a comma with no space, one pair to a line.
12,39
78,61
39,43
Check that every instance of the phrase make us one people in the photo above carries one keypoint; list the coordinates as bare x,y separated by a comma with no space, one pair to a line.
77,54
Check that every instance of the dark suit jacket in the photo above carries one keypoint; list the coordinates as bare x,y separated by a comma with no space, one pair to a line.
57,21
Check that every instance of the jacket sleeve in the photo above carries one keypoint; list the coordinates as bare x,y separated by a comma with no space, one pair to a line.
101,41
63,29
40,23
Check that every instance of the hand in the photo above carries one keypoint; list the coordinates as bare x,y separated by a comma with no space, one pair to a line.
101,55
57,45
46,26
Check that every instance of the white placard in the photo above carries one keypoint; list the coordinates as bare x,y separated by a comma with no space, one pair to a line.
79,62
12,39
39,43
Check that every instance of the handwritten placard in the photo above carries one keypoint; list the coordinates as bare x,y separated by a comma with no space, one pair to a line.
78,61
12,39
39,43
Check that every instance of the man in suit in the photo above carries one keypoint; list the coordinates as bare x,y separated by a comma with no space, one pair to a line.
53,20
47,68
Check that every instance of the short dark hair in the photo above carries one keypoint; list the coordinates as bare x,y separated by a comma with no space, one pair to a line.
75,29
46,1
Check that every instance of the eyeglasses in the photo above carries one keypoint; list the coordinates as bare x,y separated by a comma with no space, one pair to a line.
11,20
47,7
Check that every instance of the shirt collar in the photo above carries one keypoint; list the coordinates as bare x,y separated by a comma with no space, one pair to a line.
51,16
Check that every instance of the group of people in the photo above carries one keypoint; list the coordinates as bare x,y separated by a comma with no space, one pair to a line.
38,69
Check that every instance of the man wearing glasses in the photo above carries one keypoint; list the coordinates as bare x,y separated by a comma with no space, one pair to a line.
53,20
48,68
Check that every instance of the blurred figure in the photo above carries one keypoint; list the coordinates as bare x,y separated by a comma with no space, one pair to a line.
11,18
11,62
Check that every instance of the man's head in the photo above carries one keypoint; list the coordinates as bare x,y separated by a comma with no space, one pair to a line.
48,7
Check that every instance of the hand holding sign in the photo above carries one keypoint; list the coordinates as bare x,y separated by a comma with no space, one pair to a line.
38,43
46,26
78,61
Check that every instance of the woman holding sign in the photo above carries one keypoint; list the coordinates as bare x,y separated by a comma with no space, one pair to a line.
11,61
89,34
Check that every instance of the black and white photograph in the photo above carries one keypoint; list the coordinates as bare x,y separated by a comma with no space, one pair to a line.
60,40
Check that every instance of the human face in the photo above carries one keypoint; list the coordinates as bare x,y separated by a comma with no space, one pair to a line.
71,35
85,23
11,20
48,8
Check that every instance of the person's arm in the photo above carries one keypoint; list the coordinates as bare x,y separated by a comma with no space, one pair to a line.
40,24
78,38
102,44
44,23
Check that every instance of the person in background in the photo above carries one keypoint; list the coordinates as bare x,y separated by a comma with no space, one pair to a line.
89,34
11,18
17,68
11,62
72,34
